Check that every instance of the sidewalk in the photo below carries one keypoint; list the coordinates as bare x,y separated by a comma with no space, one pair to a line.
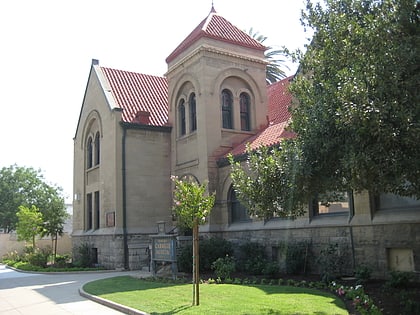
56,294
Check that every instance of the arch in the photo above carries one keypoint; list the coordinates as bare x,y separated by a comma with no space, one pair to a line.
185,78
92,124
241,74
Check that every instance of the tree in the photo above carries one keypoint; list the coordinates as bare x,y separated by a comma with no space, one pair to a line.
191,206
25,186
274,71
268,184
29,224
357,91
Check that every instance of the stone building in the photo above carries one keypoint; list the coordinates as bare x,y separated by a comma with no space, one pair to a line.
135,131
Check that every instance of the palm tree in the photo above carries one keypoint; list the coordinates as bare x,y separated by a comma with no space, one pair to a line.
274,71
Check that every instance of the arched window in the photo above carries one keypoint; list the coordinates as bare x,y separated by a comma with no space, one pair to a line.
182,122
238,212
193,113
244,103
227,115
97,149
89,153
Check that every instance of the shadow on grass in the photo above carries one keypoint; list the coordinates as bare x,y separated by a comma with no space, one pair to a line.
127,284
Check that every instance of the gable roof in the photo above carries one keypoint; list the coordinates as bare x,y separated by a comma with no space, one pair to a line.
139,94
279,100
216,27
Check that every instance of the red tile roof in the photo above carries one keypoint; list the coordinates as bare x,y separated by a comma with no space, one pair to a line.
216,27
138,94
279,100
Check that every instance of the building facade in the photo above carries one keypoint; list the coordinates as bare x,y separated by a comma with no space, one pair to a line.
136,130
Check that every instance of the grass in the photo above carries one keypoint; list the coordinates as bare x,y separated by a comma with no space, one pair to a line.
169,298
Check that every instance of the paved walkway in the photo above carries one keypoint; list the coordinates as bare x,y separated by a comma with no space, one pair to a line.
54,294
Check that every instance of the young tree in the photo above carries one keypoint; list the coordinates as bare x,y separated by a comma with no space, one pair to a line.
358,105
29,224
192,204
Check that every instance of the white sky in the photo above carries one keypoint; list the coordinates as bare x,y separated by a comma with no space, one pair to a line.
46,48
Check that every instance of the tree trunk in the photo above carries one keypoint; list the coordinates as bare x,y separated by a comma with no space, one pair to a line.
196,266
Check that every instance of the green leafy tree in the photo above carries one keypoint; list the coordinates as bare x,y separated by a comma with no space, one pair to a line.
268,182
25,186
274,57
29,224
357,91
191,205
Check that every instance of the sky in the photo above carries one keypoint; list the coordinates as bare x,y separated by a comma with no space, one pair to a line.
46,50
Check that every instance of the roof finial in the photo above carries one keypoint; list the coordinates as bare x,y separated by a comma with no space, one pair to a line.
212,7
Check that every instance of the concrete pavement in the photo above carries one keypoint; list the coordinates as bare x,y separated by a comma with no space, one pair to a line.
24,293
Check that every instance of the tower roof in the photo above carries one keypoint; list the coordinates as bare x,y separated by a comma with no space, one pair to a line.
216,27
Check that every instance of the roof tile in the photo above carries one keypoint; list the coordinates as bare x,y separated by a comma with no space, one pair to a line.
216,27
138,94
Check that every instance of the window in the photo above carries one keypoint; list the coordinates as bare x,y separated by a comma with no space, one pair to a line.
89,211
238,212
97,149
227,115
333,203
182,122
193,113
89,153
396,202
97,210
244,104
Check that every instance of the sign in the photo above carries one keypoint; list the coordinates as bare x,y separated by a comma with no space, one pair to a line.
163,248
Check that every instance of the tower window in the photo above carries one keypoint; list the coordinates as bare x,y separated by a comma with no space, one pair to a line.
182,122
244,103
193,113
227,115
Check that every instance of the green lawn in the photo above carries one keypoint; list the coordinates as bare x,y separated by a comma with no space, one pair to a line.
166,298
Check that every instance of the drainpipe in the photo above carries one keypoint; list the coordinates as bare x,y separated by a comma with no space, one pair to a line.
124,196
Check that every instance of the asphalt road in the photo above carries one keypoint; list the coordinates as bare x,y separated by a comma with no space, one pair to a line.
48,294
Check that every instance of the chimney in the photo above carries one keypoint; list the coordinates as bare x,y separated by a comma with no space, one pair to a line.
142,117
95,62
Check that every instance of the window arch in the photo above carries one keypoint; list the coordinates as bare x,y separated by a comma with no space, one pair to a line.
193,112
97,149
227,114
182,121
237,211
244,104
89,153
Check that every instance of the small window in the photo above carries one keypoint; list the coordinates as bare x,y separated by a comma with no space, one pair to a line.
227,115
396,202
89,153
244,103
193,113
238,212
97,148
97,210
89,211
332,203
182,122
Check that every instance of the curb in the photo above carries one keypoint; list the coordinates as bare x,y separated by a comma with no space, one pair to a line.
115,306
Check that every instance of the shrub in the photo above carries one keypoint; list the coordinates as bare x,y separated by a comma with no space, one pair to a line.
296,257
39,257
223,267
209,249
84,256
399,279
251,258
332,260
363,273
